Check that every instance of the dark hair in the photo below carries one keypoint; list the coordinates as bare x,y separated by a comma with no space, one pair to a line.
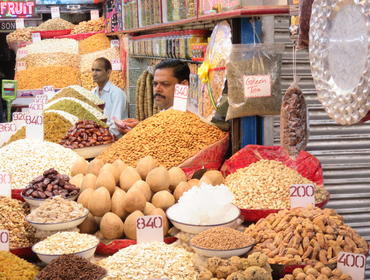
106,62
181,70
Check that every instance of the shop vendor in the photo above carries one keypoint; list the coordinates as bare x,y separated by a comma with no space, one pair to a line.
167,74
113,96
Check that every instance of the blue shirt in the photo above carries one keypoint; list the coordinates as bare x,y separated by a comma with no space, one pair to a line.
115,105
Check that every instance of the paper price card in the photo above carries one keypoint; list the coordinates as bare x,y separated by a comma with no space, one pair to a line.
114,43
36,37
302,195
4,240
35,122
19,23
19,118
5,184
180,101
55,12
149,229
94,14
6,131
21,53
257,86
43,98
20,65
352,264
116,65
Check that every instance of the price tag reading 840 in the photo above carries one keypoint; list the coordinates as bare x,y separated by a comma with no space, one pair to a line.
5,184
180,101
352,264
4,240
149,229
302,195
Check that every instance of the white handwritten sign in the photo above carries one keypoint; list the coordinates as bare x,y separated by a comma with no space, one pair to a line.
4,240
6,131
257,86
55,13
20,65
94,14
35,121
19,118
180,101
302,195
116,65
114,43
352,264
36,37
19,23
149,229
5,184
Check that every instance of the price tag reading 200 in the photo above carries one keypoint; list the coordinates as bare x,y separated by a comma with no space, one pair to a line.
149,229
302,195
352,264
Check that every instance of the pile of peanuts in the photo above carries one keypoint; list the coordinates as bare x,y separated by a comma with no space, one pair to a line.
265,185
317,272
305,236
170,136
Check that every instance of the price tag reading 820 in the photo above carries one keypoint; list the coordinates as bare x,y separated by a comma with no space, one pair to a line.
149,229
302,195
5,184
352,264
4,240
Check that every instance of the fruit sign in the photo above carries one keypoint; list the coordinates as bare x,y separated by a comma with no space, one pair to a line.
352,264
149,229
180,101
4,240
302,195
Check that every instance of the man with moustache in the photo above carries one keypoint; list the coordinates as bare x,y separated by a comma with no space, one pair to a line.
167,74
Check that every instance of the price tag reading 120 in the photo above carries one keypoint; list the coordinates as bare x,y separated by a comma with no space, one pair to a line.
302,195
149,229
4,240
180,101
352,264
5,184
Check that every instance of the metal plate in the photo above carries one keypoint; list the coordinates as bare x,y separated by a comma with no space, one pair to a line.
340,57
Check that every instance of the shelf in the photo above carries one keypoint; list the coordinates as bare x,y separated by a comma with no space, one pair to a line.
251,11
159,57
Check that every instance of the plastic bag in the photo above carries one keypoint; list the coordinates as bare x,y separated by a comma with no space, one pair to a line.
253,75
293,121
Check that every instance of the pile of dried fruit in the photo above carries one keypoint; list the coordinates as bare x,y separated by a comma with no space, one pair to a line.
15,268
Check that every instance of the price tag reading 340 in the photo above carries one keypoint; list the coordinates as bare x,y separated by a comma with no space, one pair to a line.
149,229
302,195
35,122
4,240
352,264
180,101
5,184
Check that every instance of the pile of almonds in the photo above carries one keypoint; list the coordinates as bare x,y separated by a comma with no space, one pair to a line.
87,134
50,184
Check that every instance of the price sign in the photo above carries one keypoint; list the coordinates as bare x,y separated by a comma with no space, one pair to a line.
180,101
19,23
116,65
19,118
55,12
257,86
302,195
20,65
94,14
5,184
35,121
114,43
4,240
352,264
36,37
21,53
149,229
6,131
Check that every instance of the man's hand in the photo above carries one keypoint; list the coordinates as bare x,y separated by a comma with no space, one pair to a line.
126,125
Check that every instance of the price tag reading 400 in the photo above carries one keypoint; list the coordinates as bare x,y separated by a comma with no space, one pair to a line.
302,195
149,229
180,101
352,264
5,184
35,122
4,240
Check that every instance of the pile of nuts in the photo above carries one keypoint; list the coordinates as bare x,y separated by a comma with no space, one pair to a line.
95,25
55,24
23,34
87,134
57,210
305,236
265,185
50,184
12,218
235,268
317,272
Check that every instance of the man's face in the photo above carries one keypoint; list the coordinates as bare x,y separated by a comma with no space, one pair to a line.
99,74
164,87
